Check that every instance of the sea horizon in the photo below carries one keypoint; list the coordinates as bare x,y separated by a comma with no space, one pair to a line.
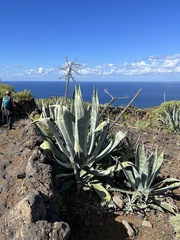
78,81
153,92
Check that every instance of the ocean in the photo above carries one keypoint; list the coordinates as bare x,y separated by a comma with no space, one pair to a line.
152,94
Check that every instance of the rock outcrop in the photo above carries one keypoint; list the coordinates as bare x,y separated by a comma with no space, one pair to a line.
29,200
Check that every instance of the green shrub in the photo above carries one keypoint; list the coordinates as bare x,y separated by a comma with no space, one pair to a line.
142,125
4,88
17,96
23,95
167,105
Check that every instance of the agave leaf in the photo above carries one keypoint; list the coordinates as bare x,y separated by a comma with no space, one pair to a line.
143,206
169,117
43,110
140,158
168,207
101,126
137,179
155,207
164,189
79,157
80,108
84,172
64,175
93,120
165,205
81,122
52,111
85,176
95,110
64,123
146,170
52,128
166,180
174,114
124,164
67,185
100,173
98,147
83,133
102,192
129,175
109,170
135,196
40,130
59,156
113,143
158,160
46,145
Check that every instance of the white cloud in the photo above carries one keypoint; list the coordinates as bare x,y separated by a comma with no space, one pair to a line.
171,63
149,66
40,70
29,71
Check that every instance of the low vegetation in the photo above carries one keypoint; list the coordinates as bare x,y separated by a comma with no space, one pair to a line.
4,88
17,96
169,116
90,156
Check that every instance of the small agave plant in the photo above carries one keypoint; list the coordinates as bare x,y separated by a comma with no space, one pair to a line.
144,191
171,118
80,141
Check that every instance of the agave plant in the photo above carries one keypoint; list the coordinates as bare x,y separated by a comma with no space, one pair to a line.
171,118
144,191
80,141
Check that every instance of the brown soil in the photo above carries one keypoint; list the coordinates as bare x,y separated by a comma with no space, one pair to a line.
84,218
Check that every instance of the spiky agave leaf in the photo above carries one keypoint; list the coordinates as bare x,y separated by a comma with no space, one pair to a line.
58,155
53,129
81,122
102,192
164,205
114,141
93,121
157,188
157,164
64,123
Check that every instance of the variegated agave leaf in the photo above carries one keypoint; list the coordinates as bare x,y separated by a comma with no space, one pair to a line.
103,194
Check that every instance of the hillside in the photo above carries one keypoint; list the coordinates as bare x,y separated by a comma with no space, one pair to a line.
92,226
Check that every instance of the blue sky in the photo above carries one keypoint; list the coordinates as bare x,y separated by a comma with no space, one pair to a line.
113,40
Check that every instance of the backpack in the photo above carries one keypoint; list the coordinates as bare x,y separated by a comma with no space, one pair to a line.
7,102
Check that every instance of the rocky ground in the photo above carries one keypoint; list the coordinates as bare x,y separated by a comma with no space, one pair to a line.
91,224
27,193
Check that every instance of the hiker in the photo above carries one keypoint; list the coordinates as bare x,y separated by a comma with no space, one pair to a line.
8,107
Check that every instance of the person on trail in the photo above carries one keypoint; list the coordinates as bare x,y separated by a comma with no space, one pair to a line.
8,107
